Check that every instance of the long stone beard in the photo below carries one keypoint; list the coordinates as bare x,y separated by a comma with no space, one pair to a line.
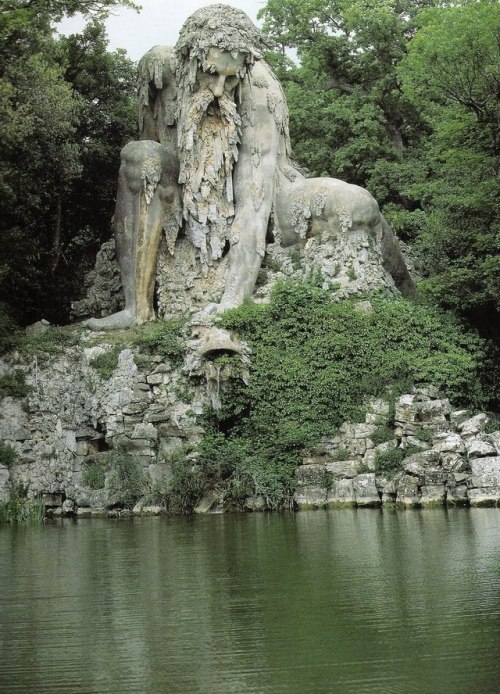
208,137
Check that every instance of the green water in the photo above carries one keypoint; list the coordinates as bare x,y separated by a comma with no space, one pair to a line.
340,601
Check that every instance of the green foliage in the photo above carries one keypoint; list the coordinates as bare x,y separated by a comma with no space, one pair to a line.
309,376
13,384
94,476
341,454
165,338
126,478
388,463
424,435
492,425
52,341
105,364
19,510
7,454
66,107
382,434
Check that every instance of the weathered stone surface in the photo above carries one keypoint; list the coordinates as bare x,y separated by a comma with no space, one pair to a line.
4,483
408,491
459,416
474,425
341,493
423,459
145,431
478,448
310,496
448,442
453,462
494,438
487,496
342,468
38,328
433,495
365,490
14,425
255,503
311,475
485,472
210,503
457,495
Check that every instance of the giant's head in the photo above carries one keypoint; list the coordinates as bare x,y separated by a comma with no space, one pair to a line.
217,44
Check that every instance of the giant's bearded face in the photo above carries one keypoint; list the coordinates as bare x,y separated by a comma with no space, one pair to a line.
208,137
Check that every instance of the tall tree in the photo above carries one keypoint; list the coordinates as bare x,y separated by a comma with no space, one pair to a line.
59,149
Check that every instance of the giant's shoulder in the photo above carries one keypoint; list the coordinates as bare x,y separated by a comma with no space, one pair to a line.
262,76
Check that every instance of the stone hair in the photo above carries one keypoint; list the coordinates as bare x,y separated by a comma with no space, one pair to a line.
217,26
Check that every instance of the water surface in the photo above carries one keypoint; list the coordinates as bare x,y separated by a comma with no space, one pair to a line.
338,601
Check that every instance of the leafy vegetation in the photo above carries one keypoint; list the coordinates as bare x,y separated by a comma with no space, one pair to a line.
19,510
105,364
309,376
7,454
13,384
94,476
388,463
126,479
165,339
402,98
67,107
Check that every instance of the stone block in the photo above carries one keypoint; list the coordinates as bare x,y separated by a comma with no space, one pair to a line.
342,468
453,462
155,379
485,472
210,503
310,496
145,431
307,475
51,499
4,483
255,503
459,416
408,491
484,496
432,495
457,495
474,425
365,490
448,442
494,439
341,493
478,448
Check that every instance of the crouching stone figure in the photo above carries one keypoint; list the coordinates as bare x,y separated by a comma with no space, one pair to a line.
213,164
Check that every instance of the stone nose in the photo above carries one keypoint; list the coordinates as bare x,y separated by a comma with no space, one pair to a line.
217,86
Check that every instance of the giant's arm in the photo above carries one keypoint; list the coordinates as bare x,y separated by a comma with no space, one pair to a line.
254,183
147,200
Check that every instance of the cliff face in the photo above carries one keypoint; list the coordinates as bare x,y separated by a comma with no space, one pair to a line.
90,442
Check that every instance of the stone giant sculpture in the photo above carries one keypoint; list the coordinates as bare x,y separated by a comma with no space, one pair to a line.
214,164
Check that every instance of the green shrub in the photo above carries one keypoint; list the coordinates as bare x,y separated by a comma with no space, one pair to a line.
424,435
341,454
388,463
165,339
492,425
382,434
13,384
94,476
19,510
105,364
126,478
7,454
314,364
51,342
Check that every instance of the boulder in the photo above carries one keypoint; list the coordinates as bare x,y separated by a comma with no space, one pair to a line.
408,491
342,468
448,442
485,472
365,490
341,493
479,448
484,496
474,425
432,495
453,462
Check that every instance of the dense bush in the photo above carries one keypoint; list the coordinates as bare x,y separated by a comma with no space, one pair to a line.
94,476
165,339
126,478
20,510
310,375
13,384
106,363
7,454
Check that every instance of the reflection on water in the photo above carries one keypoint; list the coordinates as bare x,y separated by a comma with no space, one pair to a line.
339,601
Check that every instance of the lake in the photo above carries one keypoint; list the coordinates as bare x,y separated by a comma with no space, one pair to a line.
326,601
